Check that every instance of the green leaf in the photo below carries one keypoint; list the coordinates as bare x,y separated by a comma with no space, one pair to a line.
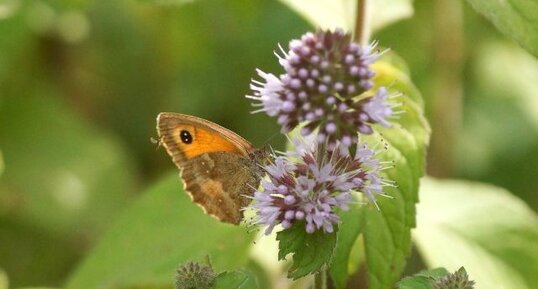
433,273
387,232
481,227
387,237
341,13
310,251
235,280
422,280
161,230
516,19
349,230
415,282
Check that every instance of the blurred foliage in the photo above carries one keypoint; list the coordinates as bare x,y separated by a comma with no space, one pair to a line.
159,231
4,282
484,227
235,279
81,83
497,138
514,18
80,87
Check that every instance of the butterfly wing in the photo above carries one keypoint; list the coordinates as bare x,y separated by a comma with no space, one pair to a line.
217,168
221,183
205,137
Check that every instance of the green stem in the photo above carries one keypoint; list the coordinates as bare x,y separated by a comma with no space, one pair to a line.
320,280
362,23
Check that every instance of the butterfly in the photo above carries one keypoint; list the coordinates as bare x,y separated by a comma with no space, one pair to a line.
220,169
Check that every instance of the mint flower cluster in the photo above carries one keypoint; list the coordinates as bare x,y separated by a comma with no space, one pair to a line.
325,72
325,90
314,184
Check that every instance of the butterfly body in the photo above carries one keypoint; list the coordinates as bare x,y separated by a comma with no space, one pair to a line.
220,170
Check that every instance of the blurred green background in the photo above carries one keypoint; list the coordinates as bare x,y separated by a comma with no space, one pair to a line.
81,83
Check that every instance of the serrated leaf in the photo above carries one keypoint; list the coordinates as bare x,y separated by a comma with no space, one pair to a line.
349,230
310,252
481,227
387,232
433,273
161,230
422,280
330,14
516,19
415,282
387,237
235,280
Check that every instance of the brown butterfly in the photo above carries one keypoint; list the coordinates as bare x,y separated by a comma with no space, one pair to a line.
220,170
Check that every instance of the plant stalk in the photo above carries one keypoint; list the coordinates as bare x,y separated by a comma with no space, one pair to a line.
362,22
320,280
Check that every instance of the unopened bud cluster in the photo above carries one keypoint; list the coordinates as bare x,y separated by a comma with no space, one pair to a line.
456,280
192,275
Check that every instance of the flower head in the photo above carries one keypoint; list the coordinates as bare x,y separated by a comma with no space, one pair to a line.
456,280
310,183
194,275
325,72
375,109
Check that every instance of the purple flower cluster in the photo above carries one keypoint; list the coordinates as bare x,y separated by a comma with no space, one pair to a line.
326,88
325,72
309,184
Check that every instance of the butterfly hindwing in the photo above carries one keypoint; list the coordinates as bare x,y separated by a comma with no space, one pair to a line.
221,183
